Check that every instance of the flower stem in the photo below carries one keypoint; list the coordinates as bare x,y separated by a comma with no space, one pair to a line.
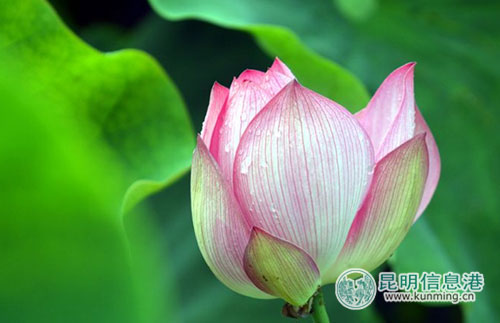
319,313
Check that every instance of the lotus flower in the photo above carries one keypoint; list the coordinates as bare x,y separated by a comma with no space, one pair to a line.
289,188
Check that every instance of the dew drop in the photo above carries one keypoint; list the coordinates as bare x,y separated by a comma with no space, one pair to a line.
245,164
273,210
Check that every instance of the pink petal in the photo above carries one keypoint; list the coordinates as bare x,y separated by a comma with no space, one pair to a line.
301,171
389,117
392,117
248,94
388,210
252,75
280,67
434,162
274,79
280,268
220,229
218,97
279,75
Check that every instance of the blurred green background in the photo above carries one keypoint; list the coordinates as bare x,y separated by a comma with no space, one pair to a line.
96,142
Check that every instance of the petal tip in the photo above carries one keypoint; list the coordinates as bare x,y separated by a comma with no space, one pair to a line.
218,86
403,73
294,85
408,69
255,231
421,136
202,150
251,75
281,67
199,140
218,97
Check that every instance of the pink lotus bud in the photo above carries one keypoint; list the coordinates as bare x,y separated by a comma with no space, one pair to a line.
289,189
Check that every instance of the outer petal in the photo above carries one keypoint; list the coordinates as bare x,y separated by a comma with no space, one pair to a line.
281,268
220,230
280,67
248,94
218,97
389,117
434,162
392,117
388,210
301,171
279,75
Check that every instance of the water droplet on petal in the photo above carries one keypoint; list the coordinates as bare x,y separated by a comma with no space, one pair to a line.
245,164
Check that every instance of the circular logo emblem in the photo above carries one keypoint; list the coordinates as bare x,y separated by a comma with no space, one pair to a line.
355,288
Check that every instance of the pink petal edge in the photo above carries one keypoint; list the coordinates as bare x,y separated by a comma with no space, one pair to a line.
389,117
434,162
218,97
